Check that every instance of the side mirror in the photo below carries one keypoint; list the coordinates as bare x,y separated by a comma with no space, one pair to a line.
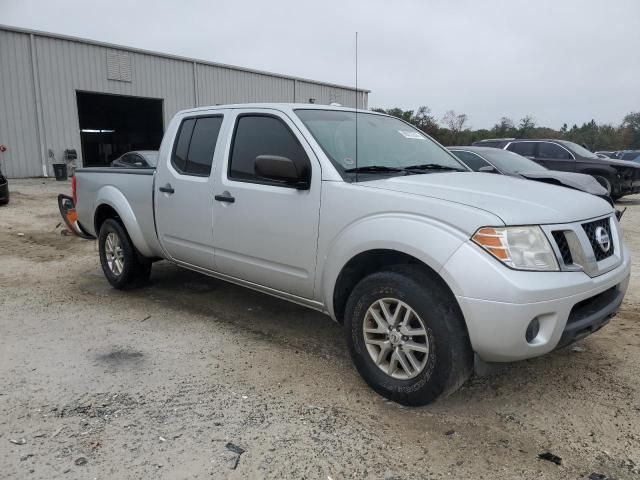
488,169
282,169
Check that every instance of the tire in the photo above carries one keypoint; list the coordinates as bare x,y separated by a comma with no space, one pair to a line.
118,257
446,362
605,183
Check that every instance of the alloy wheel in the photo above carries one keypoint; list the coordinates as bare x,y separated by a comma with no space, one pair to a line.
396,338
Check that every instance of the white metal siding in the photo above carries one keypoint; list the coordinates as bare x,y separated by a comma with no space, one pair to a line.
219,85
18,121
65,65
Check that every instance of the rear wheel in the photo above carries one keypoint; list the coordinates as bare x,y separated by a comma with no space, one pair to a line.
407,336
120,262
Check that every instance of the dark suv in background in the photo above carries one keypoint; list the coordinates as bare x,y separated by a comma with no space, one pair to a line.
618,177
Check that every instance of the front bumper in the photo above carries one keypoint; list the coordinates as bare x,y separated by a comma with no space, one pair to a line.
499,303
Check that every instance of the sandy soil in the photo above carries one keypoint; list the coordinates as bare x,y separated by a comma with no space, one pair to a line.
190,377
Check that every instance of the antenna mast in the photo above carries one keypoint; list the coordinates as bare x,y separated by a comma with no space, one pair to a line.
356,107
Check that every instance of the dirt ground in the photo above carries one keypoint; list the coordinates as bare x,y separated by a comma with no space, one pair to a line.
190,377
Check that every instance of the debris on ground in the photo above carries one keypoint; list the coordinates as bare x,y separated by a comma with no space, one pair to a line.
80,461
578,348
550,457
233,464
598,476
19,441
448,433
57,432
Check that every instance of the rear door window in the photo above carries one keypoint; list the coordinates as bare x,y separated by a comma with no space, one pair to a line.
471,160
526,149
551,151
195,145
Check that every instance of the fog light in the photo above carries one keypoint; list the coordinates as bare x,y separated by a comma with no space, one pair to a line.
532,330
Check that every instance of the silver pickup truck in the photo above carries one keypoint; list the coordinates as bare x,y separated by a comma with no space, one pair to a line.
362,217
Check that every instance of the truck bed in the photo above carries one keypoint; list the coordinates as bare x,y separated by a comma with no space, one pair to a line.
127,190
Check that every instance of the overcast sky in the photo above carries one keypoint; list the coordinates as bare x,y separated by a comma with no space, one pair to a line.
559,61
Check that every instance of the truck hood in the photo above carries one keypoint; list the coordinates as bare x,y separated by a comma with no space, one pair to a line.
515,200
578,181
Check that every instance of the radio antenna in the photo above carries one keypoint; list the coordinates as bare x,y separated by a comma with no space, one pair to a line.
356,107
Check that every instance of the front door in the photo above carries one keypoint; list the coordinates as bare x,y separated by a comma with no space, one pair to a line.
184,191
266,232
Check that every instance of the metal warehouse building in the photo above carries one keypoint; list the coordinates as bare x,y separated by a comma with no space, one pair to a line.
60,93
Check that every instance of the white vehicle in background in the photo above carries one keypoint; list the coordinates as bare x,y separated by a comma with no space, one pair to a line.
424,262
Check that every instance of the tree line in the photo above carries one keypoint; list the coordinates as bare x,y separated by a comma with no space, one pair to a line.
453,129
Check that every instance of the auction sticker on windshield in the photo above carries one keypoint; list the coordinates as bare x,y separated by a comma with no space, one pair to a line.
410,134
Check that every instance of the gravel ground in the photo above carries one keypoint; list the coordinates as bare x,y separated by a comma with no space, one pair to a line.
190,377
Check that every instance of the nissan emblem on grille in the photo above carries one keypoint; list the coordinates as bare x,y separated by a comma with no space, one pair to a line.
602,237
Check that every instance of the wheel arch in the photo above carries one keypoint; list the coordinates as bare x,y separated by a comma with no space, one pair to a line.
111,203
383,240
368,262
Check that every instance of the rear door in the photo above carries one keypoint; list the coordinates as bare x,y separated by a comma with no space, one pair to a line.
266,232
526,149
184,189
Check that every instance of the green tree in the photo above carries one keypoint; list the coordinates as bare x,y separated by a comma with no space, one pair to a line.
504,128
526,126
631,131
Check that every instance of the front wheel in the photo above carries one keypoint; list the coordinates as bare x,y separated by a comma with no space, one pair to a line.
118,256
407,336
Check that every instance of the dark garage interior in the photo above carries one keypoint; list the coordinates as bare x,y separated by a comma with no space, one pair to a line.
111,125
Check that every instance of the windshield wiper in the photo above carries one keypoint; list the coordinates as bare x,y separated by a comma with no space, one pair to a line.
433,166
374,168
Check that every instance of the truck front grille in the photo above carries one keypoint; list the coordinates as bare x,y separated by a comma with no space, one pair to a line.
590,229
563,246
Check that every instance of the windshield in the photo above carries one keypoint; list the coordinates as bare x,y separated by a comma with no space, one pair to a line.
382,142
512,162
630,156
580,150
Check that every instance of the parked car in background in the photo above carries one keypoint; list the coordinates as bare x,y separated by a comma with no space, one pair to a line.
630,155
619,178
423,261
137,159
4,189
493,160
603,154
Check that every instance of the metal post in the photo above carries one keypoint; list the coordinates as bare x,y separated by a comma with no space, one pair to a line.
40,132
195,84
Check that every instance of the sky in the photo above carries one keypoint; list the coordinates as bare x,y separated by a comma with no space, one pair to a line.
556,60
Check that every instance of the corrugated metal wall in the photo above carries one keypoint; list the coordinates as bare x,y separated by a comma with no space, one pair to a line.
18,120
63,66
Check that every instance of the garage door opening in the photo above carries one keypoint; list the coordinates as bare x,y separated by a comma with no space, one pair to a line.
111,125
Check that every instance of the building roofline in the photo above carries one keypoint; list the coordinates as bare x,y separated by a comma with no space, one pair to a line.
98,43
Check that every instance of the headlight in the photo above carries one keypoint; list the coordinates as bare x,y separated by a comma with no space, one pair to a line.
522,248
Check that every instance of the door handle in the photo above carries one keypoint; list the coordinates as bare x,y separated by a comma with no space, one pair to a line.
225,198
167,189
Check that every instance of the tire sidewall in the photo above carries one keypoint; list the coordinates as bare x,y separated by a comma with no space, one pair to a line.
436,314
117,281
